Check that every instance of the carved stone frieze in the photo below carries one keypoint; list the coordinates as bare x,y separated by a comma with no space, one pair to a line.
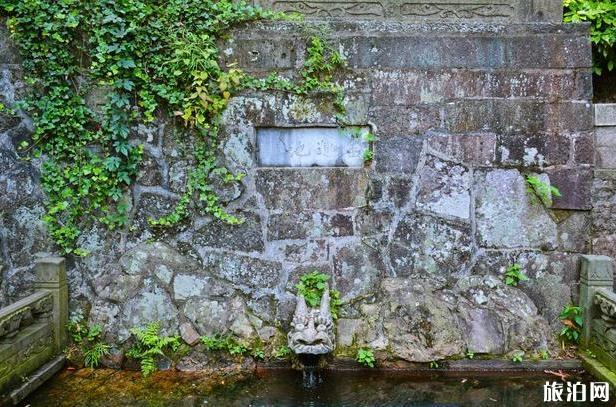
423,10
468,10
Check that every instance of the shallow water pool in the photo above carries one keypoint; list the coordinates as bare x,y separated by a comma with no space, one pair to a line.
284,387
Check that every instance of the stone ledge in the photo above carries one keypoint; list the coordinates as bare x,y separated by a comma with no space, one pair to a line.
605,115
449,367
287,29
37,379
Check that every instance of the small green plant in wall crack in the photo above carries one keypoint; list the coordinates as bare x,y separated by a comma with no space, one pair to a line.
312,287
542,190
228,344
365,357
573,321
515,275
517,356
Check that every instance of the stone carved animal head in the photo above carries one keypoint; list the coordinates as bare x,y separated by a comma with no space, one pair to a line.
313,328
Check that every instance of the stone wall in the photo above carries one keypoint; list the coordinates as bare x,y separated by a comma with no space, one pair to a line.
604,186
417,242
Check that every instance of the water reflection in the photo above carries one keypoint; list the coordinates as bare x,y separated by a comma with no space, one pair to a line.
281,388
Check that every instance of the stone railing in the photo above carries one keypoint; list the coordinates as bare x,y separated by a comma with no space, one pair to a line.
33,333
598,302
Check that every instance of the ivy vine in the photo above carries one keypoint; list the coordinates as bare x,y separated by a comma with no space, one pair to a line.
155,59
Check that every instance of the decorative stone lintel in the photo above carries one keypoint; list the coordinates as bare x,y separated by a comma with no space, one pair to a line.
424,10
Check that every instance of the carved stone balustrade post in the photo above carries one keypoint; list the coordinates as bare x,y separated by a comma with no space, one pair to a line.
596,272
51,276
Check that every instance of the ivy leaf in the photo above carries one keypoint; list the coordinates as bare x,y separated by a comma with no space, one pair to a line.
112,163
127,63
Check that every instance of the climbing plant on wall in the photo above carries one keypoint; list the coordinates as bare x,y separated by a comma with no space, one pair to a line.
602,17
154,59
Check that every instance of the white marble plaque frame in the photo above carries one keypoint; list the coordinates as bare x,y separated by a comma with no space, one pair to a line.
312,146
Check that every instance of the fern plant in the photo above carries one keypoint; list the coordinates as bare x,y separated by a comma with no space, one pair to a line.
149,346
87,346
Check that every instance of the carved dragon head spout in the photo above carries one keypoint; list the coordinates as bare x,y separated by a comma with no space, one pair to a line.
312,328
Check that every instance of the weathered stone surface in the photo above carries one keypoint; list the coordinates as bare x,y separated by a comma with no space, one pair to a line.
251,275
478,149
425,245
575,186
294,190
605,245
536,150
505,215
574,232
189,334
419,323
398,155
603,200
357,269
606,147
152,303
247,237
550,285
605,114
444,189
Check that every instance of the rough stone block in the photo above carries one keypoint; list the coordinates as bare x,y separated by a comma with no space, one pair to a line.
246,237
261,55
444,189
603,198
606,136
8,52
569,117
605,245
478,149
506,218
395,121
189,334
426,245
575,186
534,150
357,268
309,224
574,232
312,188
605,114
496,115
398,154
583,148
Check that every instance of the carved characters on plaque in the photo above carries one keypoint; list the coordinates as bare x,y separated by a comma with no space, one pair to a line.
311,147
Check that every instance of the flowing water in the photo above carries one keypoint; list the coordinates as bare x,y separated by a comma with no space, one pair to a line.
282,387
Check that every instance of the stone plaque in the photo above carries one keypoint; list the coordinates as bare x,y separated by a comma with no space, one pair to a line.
424,10
312,147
